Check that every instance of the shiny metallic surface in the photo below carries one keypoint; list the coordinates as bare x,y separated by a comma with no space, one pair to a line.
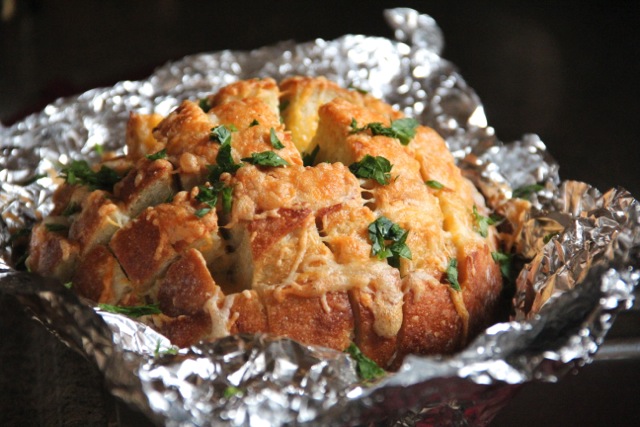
580,248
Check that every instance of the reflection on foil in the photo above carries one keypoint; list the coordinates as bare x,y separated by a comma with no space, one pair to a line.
582,248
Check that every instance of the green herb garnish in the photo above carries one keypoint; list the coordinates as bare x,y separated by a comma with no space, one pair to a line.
505,263
402,129
33,179
377,168
209,195
549,236
79,173
266,158
225,163
68,285
275,141
283,105
483,222
357,89
367,369
436,185
227,199
309,159
162,352
132,311
56,228
202,212
255,122
204,104
526,191
452,274
221,134
71,209
383,230
99,149
231,391
158,155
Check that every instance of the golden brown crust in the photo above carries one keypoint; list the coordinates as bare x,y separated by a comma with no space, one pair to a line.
139,135
283,250
431,323
302,97
248,314
183,330
186,286
323,320
51,254
148,184
265,90
245,113
100,278
380,349
99,219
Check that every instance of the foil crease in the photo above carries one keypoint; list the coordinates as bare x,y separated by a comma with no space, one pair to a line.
580,249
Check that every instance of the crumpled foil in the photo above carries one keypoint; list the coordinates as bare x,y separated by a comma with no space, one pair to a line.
580,251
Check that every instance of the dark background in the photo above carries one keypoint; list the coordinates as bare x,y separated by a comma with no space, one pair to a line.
566,70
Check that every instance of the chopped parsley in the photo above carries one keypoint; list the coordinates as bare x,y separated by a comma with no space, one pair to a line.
231,391
357,89
80,173
71,209
68,285
283,105
204,104
367,369
162,352
162,154
225,163
308,159
275,141
377,168
99,149
202,212
483,222
227,199
526,191
255,122
505,263
266,158
221,134
436,185
402,129
56,228
452,274
208,195
33,179
132,311
383,230
549,236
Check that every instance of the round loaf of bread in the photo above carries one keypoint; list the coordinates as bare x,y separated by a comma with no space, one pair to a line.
301,209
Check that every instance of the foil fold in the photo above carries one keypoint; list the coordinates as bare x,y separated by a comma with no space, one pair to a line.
580,251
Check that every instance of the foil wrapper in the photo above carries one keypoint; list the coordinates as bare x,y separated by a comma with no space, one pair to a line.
579,250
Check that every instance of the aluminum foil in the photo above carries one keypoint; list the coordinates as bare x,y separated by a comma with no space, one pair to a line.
580,251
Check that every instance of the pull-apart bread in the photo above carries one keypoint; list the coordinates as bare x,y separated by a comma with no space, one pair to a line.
302,210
